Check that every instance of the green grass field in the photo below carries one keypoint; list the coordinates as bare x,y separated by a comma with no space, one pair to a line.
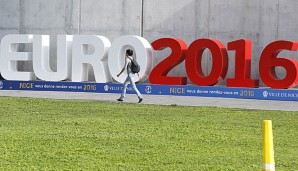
43,134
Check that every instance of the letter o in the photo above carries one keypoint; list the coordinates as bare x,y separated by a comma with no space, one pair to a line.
142,50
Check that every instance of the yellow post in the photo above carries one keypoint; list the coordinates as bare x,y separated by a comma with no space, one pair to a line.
268,151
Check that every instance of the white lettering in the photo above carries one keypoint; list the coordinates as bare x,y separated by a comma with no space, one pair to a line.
98,59
143,52
41,57
74,55
10,56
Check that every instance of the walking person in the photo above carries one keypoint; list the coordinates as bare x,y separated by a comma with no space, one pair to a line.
130,76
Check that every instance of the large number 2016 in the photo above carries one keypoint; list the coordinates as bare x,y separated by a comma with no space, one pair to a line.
243,50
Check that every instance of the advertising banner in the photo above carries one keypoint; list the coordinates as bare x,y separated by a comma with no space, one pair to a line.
152,89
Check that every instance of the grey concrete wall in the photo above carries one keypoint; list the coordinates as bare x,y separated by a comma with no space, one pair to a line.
9,17
261,21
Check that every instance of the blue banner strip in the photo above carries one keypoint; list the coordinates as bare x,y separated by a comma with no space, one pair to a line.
152,89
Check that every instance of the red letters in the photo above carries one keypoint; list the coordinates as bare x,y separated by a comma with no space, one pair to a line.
159,74
269,61
243,50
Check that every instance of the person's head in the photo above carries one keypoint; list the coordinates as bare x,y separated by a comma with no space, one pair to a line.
129,52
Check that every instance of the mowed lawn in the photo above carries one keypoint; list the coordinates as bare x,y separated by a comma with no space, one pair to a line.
44,134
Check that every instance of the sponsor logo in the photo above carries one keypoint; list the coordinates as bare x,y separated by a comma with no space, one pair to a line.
1,84
148,89
279,94
106,88
265,94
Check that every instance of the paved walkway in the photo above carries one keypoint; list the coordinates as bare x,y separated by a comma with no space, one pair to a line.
162,100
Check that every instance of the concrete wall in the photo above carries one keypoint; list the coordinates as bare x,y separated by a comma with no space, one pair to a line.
261,21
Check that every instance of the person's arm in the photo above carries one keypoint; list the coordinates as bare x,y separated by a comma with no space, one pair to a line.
122,68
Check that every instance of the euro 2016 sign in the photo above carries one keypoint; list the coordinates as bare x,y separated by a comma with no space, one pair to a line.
106,59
